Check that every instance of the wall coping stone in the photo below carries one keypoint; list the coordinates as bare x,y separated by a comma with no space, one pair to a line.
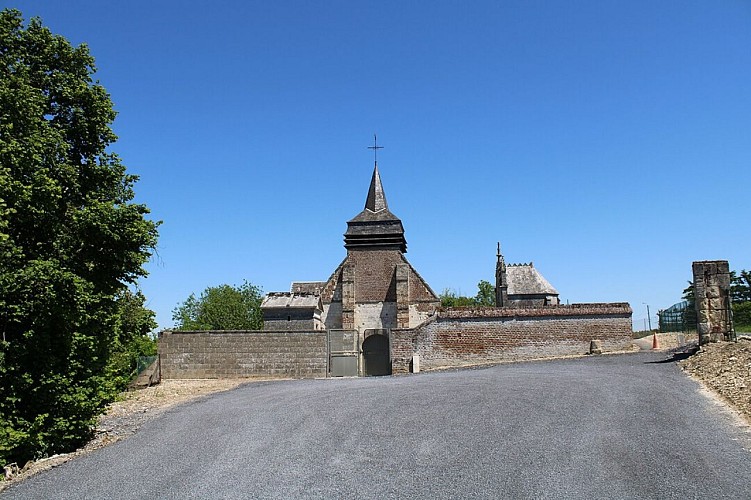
594,309
236,332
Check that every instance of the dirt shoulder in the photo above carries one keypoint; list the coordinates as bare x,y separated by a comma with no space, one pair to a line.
725,369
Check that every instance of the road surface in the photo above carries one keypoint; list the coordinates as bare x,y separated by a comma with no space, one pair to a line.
626,426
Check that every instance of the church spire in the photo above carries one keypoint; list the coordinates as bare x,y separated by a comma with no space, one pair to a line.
375,227
376,197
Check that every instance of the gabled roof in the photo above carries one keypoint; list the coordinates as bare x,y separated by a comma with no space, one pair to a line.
524,279
292,300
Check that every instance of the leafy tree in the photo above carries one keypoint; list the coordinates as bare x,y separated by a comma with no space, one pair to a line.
485,294
742,315
449,298
740,290
134,324
222,307
71,239
485,297
740,286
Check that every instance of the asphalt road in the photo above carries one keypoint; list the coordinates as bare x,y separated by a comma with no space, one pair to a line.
599,427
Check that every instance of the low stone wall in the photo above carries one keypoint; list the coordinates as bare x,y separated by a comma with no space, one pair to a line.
460,337
238,354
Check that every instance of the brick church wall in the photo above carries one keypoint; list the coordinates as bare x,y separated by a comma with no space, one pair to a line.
238,354
461,337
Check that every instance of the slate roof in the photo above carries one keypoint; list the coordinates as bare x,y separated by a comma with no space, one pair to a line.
294,300
376,200
375,226
524,279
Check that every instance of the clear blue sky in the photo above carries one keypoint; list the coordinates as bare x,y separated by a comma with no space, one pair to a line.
607,141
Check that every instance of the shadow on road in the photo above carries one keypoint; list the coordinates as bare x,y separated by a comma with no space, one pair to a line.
676,356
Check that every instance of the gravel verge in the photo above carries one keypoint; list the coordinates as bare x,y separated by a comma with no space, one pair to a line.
725,369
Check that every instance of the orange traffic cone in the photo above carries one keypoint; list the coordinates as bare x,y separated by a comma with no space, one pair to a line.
655,344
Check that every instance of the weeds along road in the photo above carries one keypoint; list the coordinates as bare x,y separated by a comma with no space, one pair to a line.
623,426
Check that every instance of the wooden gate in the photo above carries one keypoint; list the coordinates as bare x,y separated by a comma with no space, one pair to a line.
344,353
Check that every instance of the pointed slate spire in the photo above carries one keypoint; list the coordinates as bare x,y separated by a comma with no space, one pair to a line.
376,197
375,227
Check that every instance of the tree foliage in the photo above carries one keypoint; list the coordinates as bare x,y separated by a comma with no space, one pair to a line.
485,297
485,294
71,239
222,307
134,324
740,286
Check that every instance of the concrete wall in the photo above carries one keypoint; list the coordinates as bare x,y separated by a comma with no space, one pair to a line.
237,354
483,335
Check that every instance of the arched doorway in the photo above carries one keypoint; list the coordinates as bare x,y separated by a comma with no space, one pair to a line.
376,357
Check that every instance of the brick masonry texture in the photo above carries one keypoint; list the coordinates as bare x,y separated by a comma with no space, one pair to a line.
453,337
458,337
238,354
374,277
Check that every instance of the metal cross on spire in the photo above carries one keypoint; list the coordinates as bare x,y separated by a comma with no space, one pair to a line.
375,147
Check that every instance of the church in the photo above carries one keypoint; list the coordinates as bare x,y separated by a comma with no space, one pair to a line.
375,289
375,315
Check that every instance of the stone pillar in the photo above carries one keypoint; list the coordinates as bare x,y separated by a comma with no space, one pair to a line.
348,297
712,296
402,296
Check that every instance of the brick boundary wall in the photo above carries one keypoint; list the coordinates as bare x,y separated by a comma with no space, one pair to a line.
239,354
466,336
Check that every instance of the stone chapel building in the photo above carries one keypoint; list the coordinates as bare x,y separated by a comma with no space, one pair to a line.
522,285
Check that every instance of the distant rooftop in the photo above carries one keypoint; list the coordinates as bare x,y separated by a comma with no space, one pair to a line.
524,279
312,287
292,300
